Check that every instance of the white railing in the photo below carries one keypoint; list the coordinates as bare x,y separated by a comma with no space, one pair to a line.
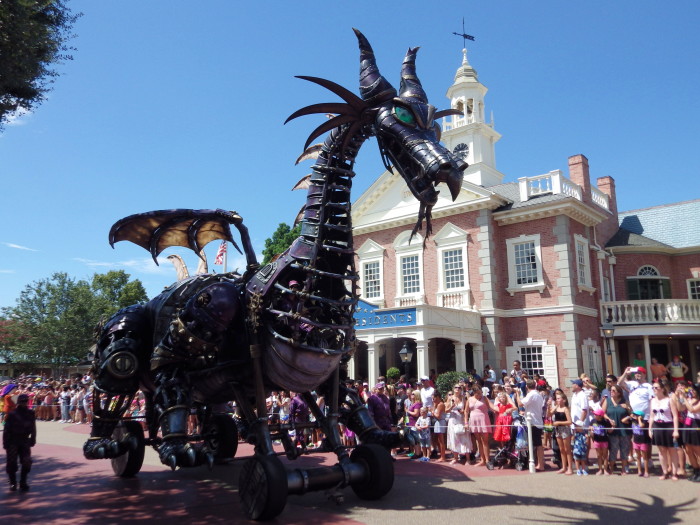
553,182
405,301
600,198
655,311
458,300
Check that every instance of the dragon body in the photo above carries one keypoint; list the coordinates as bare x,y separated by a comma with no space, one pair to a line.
287,325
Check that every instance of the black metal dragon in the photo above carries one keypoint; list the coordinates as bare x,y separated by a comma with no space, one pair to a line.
210,339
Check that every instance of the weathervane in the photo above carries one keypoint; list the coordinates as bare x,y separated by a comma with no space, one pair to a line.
464,35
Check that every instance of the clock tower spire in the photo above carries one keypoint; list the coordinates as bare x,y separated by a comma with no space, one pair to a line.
470,136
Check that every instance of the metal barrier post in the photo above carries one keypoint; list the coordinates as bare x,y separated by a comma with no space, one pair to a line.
530,448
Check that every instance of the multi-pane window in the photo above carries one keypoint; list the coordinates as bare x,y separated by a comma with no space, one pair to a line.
582,262
694,289
531,360
525,263
453,268
410,274
372,280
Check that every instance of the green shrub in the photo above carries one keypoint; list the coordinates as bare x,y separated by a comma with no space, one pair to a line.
393,374
446,381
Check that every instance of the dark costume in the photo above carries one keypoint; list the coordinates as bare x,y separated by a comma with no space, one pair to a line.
18,439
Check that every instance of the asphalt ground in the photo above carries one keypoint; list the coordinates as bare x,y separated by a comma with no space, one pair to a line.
67,489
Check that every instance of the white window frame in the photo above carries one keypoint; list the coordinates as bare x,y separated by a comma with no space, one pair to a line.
690,288
371,252
404,249
549,357
513,286
585,284
592,359
449,238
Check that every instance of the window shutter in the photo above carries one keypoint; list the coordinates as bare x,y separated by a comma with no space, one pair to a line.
632,290
666,288
549,360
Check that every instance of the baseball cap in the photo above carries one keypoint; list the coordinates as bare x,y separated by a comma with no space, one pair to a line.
642,370
638,412
380,385
599,412
577,382
425,378
294,283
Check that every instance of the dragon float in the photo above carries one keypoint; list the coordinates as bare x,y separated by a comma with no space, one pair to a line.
213,338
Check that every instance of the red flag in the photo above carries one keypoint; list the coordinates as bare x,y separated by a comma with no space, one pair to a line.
220,254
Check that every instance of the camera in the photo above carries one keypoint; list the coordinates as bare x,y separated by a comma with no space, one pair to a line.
634,370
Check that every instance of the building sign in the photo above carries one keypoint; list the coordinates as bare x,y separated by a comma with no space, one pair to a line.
370,316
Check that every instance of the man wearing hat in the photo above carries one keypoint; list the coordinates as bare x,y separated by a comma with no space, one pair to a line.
640,391
18,439
579,403
379,407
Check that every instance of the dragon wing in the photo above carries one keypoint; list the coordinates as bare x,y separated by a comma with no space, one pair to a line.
157,230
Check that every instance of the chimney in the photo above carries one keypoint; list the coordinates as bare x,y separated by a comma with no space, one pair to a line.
609,226
578,173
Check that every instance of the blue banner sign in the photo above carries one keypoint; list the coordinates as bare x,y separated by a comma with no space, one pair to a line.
370,316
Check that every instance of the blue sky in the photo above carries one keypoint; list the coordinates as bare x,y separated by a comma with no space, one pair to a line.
172,104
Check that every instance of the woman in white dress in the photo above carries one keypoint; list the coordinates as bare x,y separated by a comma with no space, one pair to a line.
459,443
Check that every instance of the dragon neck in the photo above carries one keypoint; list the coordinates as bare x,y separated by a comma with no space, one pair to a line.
326,225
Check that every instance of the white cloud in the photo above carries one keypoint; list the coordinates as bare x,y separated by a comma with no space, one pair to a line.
7,271
19,247
16,118
145,265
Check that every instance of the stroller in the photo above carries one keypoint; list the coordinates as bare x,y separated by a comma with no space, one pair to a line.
515,452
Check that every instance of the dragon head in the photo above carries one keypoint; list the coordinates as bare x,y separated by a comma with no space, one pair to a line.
404,124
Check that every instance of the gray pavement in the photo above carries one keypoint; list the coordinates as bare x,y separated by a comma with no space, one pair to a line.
68,489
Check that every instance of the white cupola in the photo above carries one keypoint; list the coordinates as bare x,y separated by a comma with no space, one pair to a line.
470,136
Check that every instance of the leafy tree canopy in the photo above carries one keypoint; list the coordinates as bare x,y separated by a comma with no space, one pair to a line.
282,239
55,318
33,37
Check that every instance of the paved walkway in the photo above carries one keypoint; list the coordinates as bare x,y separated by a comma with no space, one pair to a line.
67,489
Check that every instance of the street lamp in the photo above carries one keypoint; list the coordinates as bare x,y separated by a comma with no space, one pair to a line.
406,356
608,330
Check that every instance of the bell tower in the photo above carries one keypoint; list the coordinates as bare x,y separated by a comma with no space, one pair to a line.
469,135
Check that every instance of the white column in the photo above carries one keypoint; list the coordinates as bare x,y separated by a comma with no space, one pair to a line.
351,367
612,261
647,356
372,364
460,357
615,358
478,351
422,358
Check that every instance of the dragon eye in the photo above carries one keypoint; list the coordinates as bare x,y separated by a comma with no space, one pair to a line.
404,115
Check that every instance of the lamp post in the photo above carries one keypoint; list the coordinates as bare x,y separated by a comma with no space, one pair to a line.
608,330
406,356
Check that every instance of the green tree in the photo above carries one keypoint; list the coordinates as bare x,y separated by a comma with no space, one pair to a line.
282,239
54,319
33,38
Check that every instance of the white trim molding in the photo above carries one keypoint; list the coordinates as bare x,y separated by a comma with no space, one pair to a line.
513,285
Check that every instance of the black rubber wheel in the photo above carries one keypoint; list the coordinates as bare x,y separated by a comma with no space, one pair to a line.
380,471
262,487
128,464
490,465
222,437
519,465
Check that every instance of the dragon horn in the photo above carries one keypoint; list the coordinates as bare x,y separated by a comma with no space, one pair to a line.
374,88
410,85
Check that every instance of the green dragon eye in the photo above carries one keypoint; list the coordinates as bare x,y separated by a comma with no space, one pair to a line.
404,115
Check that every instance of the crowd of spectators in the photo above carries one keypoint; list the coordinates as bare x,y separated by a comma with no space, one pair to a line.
609,430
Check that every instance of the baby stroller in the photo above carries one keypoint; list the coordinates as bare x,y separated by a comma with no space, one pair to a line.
515,452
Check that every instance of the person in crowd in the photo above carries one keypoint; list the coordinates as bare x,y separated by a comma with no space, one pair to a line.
413,413
658,370
517,371
580,447
639,360
579,403
423,429
299,413
479,424
691,430
533,403
663,429
619,413
504,420
641,442
639,393
379,407
440,426
18,438
676,391
65,404
677,369
560,415
600,428
9,396
458,440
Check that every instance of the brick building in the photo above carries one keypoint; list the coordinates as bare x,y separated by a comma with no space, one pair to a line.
525,270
